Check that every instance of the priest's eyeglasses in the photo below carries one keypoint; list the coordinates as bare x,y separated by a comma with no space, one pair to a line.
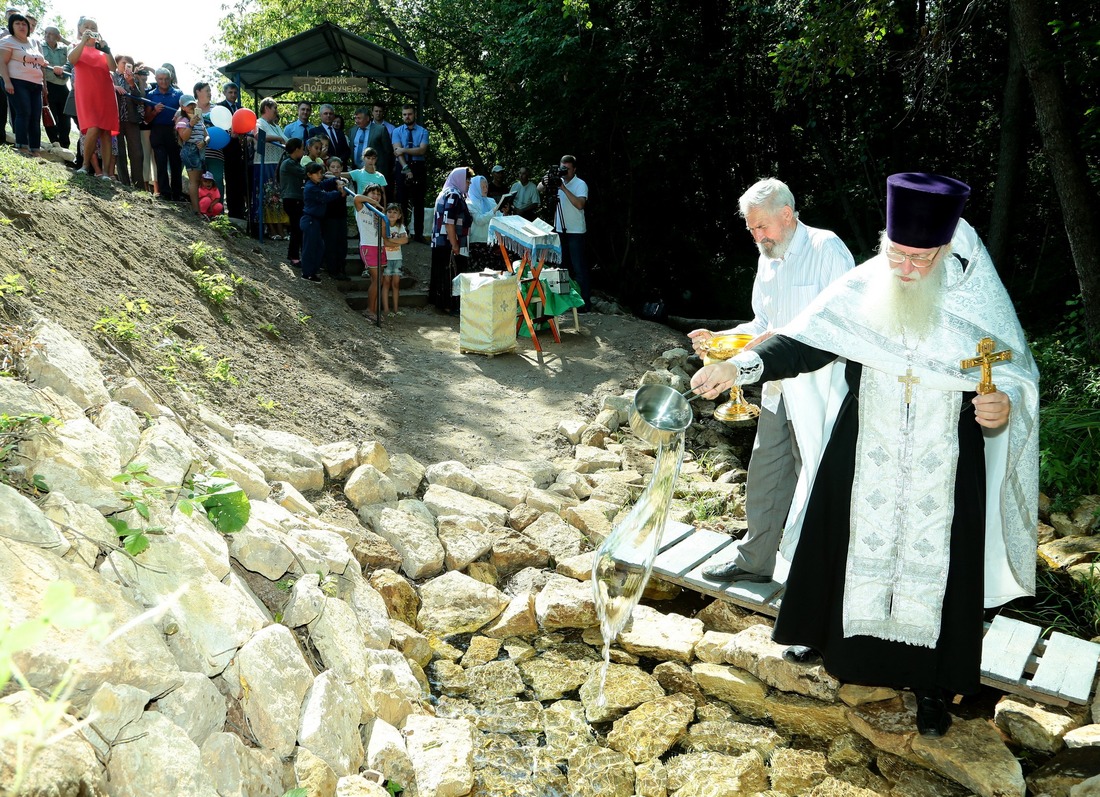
916,261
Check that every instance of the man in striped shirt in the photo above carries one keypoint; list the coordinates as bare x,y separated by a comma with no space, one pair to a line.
796,263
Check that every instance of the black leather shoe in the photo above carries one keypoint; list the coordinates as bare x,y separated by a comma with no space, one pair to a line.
800,654
932,717
731,572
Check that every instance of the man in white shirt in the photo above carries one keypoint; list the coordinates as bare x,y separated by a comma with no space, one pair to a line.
527,195
570,225
796,263
299,128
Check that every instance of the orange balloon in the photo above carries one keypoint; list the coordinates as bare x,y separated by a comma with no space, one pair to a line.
244,121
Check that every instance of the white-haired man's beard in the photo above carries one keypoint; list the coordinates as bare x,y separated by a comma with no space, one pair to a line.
773,248
897,307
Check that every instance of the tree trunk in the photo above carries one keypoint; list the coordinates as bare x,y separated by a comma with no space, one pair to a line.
1010,160
1078,201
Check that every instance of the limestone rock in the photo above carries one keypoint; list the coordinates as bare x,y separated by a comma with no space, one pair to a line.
315,543
664,637
77,459
711,647
626,688
741,689
284,494
796,771
595,435
565,603
112,707
239,771
856,695
482,650
889,725
138,658
386,753
651,729
973,754
1086,788
22,520
592,519
441,752
565,728
415,539
196,706
442,500
522,516
731,738
590,459
556,536
754,651
243,471
178,770
359,786
834,787
406,474
452,474
465,539
1087,736
133,393
274,678
367,485
213,618
676,678
494,682
571,429
120,424
501,485
699,774
576,483
261,545
909,779
371,452
797,715
64,767
1033,725
454,603
448,678
167,452
651,779
61,362
398,595
597,770
340,458
282,456
541,471
553,674
1067,770
549,501
516,550
1069,551
517,619
96,534
330,724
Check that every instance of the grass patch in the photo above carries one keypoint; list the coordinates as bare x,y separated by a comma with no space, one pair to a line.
1062,603
124,321
30,176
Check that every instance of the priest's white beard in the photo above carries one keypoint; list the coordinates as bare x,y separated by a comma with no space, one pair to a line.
776,249
895,307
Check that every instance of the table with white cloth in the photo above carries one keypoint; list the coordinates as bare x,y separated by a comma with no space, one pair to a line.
487,316
537,244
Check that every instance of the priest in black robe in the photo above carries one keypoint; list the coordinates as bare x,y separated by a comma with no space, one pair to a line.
923,491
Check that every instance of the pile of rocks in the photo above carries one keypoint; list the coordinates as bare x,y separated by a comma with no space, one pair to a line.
445,641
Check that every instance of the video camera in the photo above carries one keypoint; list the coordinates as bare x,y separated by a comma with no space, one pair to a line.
552,178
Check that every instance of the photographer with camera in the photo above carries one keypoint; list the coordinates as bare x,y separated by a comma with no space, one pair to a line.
96,106
568,195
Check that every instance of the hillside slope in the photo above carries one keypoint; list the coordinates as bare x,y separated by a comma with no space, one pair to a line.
279,351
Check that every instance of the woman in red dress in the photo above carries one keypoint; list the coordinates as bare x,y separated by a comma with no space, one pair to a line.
96,106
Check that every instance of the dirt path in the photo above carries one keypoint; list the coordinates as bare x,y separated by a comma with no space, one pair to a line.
294,355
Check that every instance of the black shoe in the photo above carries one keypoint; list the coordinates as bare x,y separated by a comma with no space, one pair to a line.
800,654
731,572
932,717
312,278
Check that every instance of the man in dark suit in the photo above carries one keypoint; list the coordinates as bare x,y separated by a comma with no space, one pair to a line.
337,141
236,154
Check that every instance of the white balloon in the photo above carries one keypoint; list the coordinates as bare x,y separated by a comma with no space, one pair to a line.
221,117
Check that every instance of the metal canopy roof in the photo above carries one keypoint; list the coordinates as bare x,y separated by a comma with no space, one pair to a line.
328,50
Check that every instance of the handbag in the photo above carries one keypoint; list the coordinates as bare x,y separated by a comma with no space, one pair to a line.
47,115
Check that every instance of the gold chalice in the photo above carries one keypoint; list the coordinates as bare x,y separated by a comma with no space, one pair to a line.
722,347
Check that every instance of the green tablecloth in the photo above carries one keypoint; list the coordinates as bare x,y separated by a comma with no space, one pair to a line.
556,304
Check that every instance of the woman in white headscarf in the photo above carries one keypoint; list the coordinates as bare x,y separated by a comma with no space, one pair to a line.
482,208
450,238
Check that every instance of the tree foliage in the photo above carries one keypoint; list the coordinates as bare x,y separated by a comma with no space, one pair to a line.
673,108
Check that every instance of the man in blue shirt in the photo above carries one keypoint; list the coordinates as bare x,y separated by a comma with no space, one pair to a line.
162,136
410,169
299,128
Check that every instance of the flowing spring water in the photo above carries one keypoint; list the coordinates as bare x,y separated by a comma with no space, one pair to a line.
624,562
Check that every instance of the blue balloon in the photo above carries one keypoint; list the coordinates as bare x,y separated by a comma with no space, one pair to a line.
218,138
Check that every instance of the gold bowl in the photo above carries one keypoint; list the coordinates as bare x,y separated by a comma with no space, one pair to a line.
722,347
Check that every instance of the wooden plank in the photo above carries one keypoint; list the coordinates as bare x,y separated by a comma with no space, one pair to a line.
674,532
689,552
1006,647
1022,688
750,591
1068,668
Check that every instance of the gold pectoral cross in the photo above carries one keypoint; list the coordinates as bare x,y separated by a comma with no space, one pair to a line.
909,380
986,358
